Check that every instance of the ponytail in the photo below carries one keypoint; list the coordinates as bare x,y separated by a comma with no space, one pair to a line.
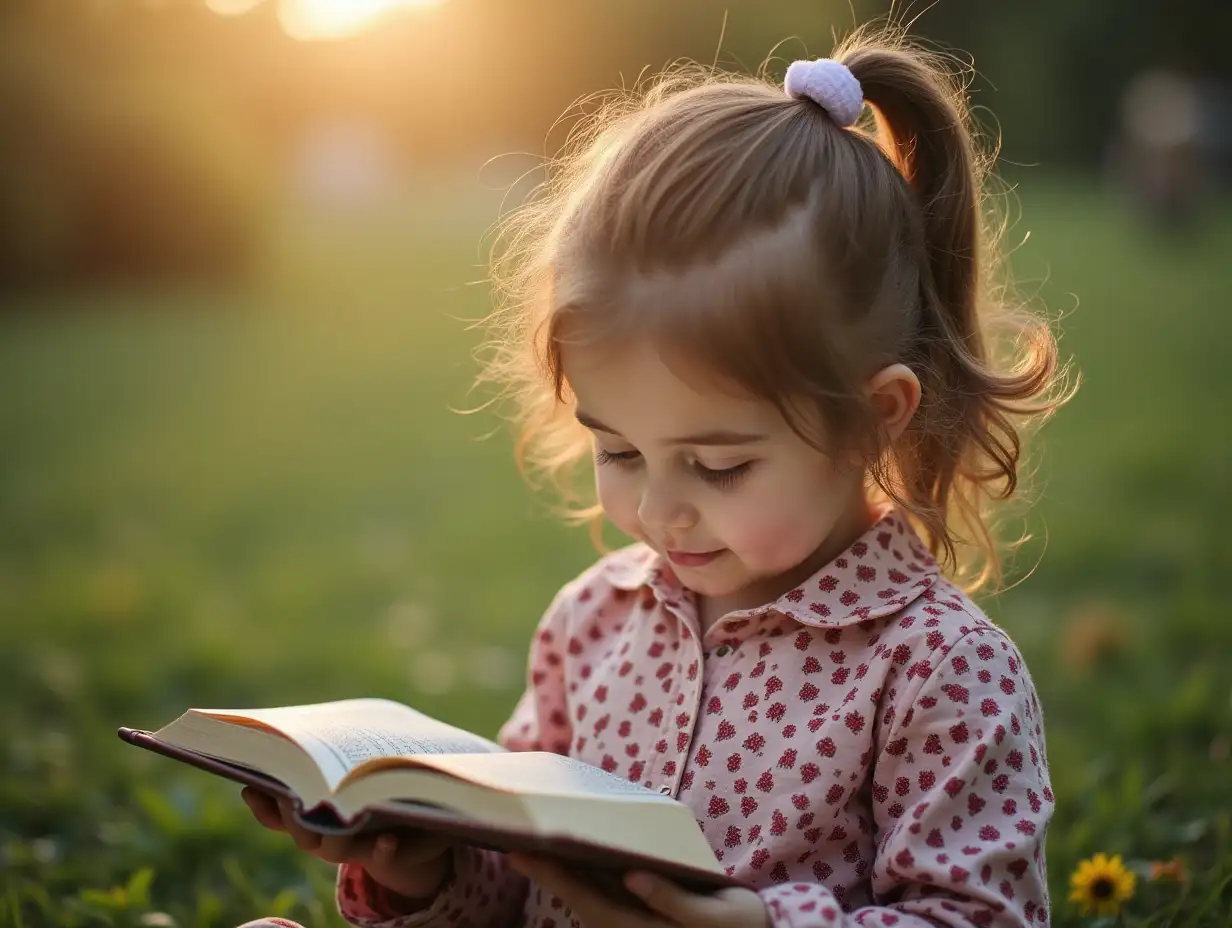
921,126
962,450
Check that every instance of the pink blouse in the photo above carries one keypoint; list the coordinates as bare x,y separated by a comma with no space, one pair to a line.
866,750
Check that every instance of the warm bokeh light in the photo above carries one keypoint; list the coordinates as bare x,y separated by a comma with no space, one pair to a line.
231,7
322,19
332,19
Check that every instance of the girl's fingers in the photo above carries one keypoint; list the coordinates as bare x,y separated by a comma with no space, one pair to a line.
407,847
264,808
337,849
389,851
409,862
428,847
385,850
304,839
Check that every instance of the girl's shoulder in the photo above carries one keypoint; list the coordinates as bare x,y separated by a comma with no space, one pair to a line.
943,619
945,642
938,635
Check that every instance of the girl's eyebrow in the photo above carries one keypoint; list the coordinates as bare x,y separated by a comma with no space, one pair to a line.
716,437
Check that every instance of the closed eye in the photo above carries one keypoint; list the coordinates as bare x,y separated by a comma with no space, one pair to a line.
724,478
624,458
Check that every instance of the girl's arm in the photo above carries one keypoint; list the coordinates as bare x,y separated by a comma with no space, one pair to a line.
483,890
967,847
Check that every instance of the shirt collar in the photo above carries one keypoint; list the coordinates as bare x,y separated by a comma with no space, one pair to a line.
880,573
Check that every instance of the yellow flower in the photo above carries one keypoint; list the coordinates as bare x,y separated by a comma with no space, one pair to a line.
1100,885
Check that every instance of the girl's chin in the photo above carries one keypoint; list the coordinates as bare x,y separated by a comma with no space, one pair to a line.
742,589
713,583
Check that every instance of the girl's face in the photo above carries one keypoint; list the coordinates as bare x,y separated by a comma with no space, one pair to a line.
719,484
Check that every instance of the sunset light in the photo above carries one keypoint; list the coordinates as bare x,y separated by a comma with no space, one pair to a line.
323,19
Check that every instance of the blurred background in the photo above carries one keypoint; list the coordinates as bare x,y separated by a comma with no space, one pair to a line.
241,243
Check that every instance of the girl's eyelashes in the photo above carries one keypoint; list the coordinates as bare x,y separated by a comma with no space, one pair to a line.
624,458
723,478
726,478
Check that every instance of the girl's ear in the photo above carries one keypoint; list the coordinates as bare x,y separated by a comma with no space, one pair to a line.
895,393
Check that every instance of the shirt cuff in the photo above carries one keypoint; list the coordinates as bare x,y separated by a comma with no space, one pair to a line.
802,905
811,905
480,890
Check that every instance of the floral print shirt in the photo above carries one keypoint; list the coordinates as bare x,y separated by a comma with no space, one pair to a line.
866,750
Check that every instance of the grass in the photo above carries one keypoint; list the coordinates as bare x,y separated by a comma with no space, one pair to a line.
245,499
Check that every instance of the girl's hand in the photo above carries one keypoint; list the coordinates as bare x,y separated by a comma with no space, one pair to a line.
407,862
728,908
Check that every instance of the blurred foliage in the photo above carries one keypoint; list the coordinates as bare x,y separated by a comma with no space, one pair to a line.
115,167
143,137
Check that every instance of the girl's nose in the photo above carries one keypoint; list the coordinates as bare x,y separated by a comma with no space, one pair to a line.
663,510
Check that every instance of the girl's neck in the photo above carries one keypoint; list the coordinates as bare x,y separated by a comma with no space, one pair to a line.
850,526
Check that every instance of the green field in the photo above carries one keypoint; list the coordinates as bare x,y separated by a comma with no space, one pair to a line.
219,499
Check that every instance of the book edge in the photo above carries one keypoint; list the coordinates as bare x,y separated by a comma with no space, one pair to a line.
451,823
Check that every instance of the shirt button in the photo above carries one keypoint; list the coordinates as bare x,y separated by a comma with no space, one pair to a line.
722,651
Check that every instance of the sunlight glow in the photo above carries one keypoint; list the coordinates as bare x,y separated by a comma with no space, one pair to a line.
231,7
322,19
335,19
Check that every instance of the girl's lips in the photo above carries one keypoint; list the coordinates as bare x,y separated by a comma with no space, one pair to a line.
689,559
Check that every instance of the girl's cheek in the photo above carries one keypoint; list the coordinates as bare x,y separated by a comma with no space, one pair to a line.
619,500
772,539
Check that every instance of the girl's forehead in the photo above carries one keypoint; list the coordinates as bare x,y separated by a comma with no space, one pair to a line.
634,384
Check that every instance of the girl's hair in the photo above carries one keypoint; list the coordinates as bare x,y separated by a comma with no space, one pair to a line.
794,258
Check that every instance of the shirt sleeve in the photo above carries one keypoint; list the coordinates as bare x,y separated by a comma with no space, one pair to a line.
961,801
482,890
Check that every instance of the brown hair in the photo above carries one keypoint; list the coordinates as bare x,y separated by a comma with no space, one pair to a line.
794,258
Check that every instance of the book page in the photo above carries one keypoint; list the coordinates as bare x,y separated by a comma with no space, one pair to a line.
537,793
340,736
539,773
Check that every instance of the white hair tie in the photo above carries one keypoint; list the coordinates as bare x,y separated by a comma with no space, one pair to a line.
828,83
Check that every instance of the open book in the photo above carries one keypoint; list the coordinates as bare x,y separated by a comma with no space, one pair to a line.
364,764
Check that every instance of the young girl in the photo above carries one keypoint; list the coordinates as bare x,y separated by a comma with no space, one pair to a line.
768,325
